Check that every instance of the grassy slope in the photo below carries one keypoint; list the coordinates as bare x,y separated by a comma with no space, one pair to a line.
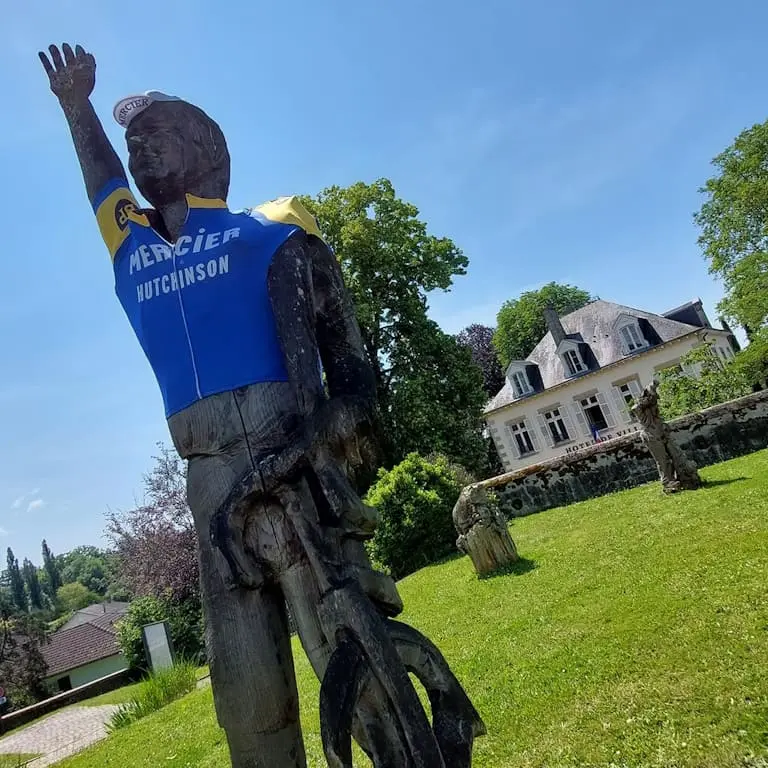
14,761
638,636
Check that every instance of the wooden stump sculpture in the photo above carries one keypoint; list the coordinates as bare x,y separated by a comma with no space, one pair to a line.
235,311
483,532
676,472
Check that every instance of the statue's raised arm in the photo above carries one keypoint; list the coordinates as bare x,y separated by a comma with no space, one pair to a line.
72,76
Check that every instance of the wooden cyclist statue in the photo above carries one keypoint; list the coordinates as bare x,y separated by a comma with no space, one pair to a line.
240,314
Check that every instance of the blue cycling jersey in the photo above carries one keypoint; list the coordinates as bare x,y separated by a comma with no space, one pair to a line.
200,307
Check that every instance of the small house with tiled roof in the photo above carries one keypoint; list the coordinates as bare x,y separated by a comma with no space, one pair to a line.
85,648
577,385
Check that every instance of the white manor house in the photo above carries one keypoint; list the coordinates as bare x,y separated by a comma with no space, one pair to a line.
577,385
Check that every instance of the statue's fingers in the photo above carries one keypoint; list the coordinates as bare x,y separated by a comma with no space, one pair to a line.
69,56
47,66
79,51
90,59
58,62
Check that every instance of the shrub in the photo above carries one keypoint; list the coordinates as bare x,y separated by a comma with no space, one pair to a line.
154,693
143,610
185,624
415,500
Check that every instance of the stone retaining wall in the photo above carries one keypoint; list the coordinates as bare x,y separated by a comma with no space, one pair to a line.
89,690
716,434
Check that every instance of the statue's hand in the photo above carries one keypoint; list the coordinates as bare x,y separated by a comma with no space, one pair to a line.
73,75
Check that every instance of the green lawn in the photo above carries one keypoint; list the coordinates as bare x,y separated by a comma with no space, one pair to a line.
14,761
636,636
118,696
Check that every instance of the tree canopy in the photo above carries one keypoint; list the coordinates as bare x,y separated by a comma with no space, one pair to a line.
734,226
15,580
51,568
430,395
478,339
32,584
156,543
704,381
520,323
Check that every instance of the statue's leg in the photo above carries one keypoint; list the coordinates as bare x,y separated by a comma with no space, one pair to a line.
248,641
375,727
685,470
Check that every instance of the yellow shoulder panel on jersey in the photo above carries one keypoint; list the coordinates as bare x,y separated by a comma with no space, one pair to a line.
113,215
289,210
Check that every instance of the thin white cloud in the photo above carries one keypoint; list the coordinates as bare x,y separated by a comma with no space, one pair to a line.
527,160
35,504
3,532
17,503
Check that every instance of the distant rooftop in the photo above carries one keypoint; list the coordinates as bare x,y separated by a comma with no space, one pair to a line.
91,640
97,609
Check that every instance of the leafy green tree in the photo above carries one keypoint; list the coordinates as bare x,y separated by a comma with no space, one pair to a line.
15,582
74,596
53,577
734,226
746,292
681,393
390,263
752,361
415,500
520,322
32,582
92,567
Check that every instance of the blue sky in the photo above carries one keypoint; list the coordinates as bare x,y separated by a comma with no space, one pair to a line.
552,141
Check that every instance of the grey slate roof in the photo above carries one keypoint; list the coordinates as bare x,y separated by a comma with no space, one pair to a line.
110,608
594,325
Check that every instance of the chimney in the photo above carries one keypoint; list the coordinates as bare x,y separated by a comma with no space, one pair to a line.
554,325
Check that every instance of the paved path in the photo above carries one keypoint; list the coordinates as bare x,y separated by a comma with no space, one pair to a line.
60,735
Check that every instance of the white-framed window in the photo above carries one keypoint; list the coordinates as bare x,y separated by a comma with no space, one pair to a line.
573,362
631,338
594,414
724,354
520,384
555,425
523,440
624,396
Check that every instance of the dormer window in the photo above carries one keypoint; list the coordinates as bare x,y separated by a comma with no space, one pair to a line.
630,334
519,379
520,383
573,362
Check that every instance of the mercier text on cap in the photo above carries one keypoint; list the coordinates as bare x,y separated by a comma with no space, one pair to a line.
126,109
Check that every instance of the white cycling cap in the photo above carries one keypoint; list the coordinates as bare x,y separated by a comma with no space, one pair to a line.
126,109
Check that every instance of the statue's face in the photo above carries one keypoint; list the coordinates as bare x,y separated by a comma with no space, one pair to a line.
156,153
174,149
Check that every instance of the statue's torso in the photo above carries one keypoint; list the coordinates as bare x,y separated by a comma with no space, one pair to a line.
199,307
